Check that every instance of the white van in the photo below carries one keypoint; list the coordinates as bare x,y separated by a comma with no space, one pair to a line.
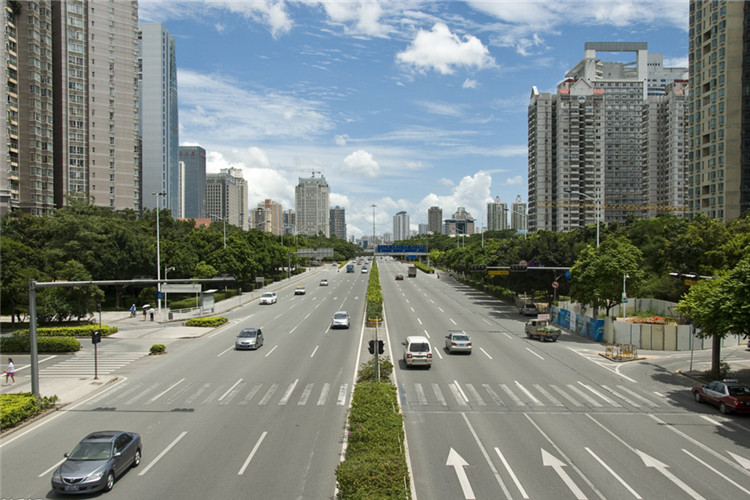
417,351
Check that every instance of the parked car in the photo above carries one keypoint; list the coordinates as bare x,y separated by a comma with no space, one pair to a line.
340,320
249,338
728,395
458,342
97,461
324,282
300,290
399,277
268,298
528,309
417,351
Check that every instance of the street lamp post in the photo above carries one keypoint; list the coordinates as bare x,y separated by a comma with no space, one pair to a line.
158,250
166,270
597,200
525,221
373,225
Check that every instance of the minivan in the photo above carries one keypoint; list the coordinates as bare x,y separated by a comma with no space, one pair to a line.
417,351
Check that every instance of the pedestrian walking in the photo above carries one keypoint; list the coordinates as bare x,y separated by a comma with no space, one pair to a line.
144,314
10,371
132,311
151,313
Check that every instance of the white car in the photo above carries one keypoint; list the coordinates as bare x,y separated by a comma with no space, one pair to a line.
364,269
340,320
324,282
268,298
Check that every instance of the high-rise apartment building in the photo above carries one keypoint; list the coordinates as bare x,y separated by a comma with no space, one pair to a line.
226,197
401,226
158,116
719,109
290,221
268,216
311,206
497,215
518,215
337,221
9,172
462,223
193,181
423,228
586,141
435,220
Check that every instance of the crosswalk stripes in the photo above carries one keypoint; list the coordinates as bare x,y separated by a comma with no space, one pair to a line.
83,364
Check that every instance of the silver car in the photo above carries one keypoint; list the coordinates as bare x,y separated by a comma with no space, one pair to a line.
340,320
268,298
96,462
458,342
249,338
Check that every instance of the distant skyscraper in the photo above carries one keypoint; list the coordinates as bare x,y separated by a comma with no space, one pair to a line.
337,221
424,228
401,226
193,181
462,223
159,119
290,221
719,109
586,141
435,220
268,216
518,215
497,215
226,197
311,206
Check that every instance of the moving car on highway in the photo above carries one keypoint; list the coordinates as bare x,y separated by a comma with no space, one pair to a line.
97,461
340,320
399,277
268,298
300,290
249,338
324,282
728,395
457,341
417,351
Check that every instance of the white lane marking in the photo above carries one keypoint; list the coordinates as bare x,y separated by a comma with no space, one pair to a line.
512,395
225,351
711,420
528,393
441,309
166,391
638,396
485,320
288,394
715,471
421,397
230,389
314,351
453,321
507,335
278,316
458,393
52,468
547,395
627,400
511,473
485,352
420,321
609,469
487,457
427,334
164,452
549,460
324,394
342,395
250,395
305,395
495,398
412,309
269,394
439,394
584,395
661,467
475,395
535,354
252,453
437,351
272,349
605,398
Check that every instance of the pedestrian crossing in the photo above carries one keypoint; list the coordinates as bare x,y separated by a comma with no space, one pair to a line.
82,364
519,396
241,393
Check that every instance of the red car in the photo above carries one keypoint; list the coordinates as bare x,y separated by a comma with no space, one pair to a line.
399,276
728,395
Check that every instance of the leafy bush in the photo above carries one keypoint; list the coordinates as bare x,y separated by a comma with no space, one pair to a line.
424,267
22,345
367,370
375,465
17,407
158,349
374,295
68,331
206,322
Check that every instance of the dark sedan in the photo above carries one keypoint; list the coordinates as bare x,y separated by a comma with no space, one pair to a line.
728,395
97,461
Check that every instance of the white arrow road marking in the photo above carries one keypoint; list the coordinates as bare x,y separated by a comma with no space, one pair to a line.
744,462
609,469
511,473
649,461
458,463
704,464
549,460
252,453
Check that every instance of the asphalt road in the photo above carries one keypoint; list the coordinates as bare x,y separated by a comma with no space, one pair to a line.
221,423
523,419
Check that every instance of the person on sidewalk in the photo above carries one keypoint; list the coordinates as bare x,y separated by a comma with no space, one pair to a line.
132,311
151,313
10,371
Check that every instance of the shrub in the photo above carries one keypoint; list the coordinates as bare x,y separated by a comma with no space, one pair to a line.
424,268
22,345
68,331
157,349
374,295
206,322
367,370
17,407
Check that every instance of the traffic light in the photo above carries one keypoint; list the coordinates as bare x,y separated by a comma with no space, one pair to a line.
518,267
477,267
96,337
372,347
380,347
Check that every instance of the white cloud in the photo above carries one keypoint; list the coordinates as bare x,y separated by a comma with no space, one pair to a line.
360,18
511,181
446,182
361,162
341,139
441,108
443,51
469,84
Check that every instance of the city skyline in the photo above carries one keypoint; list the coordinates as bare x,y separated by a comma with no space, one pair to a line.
403,106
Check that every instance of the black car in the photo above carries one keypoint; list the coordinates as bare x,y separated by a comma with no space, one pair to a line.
97,461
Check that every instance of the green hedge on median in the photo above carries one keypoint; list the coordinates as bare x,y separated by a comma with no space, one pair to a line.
68,331
15,408
206,322
22,345
374,295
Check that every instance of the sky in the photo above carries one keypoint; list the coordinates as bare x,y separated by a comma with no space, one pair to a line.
399,104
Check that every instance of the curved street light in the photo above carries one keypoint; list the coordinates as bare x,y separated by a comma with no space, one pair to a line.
159,196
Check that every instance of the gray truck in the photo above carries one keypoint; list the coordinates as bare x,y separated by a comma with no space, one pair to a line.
412,271
542,330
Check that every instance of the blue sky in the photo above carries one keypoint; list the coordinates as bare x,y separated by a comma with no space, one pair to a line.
401,104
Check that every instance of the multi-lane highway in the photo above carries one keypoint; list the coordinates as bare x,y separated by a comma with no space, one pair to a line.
523,419
515,419
220,423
